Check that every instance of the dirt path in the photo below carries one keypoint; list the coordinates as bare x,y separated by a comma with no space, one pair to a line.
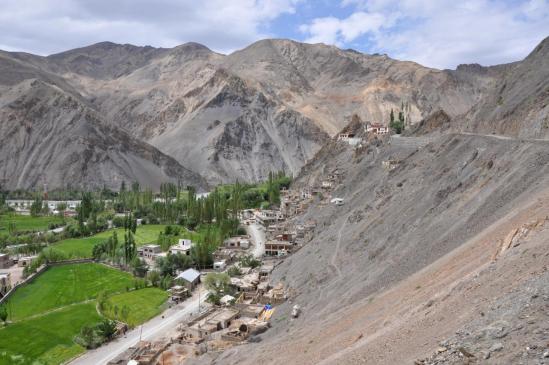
338,244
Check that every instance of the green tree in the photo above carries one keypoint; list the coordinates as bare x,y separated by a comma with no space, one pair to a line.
37,207
3,314
154,278
217,283
107,328
139,267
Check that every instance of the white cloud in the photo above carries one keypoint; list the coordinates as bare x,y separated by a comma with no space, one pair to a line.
336,31
46,27
441,33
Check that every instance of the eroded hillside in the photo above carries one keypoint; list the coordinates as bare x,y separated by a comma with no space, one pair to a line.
417,252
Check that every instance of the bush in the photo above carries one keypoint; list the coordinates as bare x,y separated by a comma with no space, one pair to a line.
118,222
234,271
249,261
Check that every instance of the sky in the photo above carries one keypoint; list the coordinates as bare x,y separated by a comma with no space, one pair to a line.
434,33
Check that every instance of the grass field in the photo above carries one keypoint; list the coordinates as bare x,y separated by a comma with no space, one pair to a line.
143,305
60,286
49,312
82,247
28,223
47,339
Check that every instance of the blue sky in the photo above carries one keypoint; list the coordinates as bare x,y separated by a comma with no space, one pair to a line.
435,33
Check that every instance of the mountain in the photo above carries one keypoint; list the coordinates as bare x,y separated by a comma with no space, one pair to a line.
274,104
518,104
51,137
438,254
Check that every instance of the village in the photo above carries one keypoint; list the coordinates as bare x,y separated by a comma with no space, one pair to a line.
247,305
233,300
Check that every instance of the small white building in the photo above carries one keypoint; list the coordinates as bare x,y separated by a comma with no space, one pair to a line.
183,247
337,201
376,128
220,265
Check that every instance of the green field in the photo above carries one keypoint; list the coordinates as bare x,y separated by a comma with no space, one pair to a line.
28,223
49,312
82,247
46,339
142,304
60,286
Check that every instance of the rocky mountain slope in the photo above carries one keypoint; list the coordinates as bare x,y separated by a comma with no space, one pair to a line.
438,254
51,137
270,106
274,104
417,264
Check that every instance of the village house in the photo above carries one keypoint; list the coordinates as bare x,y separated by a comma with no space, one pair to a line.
278,248
237,242
268,217
22,204
376,128
286,236
5,261
349,138
5,283
183,247
327,184
149,251
213,322
190,278
25,260
265,271
227,255
220,265
247,283
179,293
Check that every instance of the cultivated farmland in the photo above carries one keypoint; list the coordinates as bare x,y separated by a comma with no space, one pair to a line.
142,305
25,223
48,313
82,247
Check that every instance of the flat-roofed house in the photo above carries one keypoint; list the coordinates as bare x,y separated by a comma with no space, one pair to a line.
237,242
183,247
278,248
5,261
150,251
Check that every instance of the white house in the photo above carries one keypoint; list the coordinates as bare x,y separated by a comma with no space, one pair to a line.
183,247
376,128
220,265
337,201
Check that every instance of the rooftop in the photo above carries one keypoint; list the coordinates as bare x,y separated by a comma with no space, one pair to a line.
189,275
